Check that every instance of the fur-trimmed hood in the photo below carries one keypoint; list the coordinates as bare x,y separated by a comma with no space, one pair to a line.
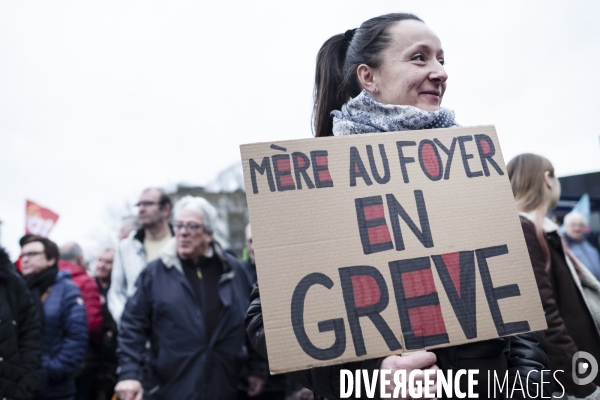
168,255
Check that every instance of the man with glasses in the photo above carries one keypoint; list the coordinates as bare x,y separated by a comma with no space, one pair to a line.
139,248
190,303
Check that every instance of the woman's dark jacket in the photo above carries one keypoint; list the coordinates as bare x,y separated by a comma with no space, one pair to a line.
64,338
186,363
517,354
570,324
20,335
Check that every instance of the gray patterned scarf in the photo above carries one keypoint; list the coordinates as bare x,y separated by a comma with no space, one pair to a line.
363,114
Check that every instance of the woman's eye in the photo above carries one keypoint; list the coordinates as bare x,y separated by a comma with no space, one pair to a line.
441,61
418,57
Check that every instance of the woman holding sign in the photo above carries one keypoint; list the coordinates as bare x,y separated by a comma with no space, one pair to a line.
388,75
560,277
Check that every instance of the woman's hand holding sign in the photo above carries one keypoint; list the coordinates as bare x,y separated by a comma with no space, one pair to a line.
423,361
129,389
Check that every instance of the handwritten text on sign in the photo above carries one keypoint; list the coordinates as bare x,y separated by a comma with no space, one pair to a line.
375,213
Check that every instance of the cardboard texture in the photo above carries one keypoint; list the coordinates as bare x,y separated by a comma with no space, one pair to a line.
379,244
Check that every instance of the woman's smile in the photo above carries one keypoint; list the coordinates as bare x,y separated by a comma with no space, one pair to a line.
434,96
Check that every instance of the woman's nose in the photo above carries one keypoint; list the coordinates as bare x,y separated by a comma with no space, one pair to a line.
438,72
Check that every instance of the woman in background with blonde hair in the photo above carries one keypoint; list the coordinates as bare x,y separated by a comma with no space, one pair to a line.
571,327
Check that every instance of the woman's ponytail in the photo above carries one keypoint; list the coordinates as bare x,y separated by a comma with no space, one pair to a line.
329,93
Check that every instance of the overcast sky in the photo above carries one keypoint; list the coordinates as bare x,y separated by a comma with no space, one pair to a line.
101,99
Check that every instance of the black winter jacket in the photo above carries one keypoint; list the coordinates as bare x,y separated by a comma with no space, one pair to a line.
516,354
20,336
185,363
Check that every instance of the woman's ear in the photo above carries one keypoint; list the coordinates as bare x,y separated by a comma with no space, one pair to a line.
549,179
367,79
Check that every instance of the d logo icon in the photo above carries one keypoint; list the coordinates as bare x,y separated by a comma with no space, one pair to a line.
583,367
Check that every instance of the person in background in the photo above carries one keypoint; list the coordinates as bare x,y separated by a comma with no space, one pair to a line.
128,225
571,326
139,248
575,224
388,75
104,357
190,304
103,271
251,263
263,386
65,329
20,336
71,259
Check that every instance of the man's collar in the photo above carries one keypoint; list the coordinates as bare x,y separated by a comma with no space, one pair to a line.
188,261
141,233
571,240
211,252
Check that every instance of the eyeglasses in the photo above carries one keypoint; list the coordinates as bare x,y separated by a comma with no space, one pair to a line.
191,227
31,254
147,204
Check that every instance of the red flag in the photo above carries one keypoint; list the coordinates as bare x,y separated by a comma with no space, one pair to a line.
39,220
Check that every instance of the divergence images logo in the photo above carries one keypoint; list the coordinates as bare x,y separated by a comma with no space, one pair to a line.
581,367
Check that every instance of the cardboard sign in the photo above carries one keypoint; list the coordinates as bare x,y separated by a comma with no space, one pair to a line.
39,220
379,244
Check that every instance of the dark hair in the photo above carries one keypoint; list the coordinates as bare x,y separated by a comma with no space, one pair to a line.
50,248
337,61
24,238
163,198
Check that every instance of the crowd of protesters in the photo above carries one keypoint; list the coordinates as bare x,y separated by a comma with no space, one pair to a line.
161,316
170,313
175,326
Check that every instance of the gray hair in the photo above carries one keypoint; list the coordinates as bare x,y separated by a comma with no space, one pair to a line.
201,206
210,217
574,214
70,251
